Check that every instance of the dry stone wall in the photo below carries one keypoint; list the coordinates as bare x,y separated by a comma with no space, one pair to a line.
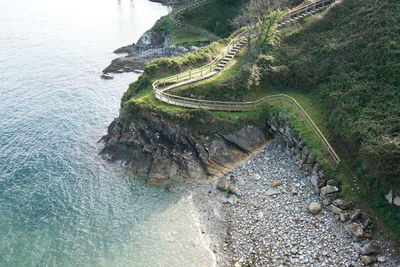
355,221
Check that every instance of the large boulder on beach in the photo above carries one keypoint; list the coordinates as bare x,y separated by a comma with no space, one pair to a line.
224,183
368,249
355,230
315,207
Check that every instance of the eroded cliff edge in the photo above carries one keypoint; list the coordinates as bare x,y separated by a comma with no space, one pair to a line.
160,148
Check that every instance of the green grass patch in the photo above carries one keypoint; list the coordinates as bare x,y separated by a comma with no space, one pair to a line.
183,37
215,16
180,36
343,67
347,59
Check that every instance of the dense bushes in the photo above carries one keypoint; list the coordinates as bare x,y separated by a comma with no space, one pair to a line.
189,60
215,16
167,66
248,76
350,59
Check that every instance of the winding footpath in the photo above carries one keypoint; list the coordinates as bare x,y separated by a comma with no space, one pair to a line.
161,86
269,211
174,14
228,53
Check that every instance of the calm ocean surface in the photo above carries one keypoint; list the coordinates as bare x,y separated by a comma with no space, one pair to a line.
60,203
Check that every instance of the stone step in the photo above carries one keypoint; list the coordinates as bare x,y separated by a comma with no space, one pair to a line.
218,69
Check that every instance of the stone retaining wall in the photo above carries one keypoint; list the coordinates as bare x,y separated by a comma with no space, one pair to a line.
355,221
291,140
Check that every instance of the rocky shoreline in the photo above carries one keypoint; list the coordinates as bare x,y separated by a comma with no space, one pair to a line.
160,149
262,217
278,208
151,45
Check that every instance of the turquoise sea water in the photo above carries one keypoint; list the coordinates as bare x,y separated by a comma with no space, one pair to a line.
60,203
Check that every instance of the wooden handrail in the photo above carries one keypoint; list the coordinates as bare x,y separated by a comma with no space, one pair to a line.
188,26
193,75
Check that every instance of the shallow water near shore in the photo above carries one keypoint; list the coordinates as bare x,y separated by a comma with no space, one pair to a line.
60,203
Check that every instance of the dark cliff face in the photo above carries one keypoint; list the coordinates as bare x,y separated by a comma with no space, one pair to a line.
160,1
161,149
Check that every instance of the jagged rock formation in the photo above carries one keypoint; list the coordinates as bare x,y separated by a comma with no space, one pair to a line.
160,149
151,45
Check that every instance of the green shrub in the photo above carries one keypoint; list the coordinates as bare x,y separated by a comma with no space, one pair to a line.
215,16
381,152
190,60
248,77
349,58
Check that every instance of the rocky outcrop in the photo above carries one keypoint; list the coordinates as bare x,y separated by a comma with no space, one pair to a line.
161,149
392,198
164,2
151,45
125,49
169,2
355,221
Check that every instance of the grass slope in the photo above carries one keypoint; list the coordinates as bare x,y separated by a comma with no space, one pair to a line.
350,60
215,16
343,66
179,36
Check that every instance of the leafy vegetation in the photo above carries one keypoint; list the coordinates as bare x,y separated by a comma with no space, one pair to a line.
350,59
343,67
163,67
214,16
179,36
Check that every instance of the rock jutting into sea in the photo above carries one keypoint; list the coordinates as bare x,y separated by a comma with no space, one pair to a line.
161,149
151,45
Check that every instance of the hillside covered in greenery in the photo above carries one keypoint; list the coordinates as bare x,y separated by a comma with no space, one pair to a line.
343,67
217,17
349,59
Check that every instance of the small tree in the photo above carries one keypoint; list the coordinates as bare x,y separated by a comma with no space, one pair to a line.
269,33
260,18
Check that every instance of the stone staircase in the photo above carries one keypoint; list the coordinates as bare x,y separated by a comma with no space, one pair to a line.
160,87
231,54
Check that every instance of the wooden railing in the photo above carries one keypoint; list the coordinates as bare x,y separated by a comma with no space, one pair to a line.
162,85
195,73
176,12
308,8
